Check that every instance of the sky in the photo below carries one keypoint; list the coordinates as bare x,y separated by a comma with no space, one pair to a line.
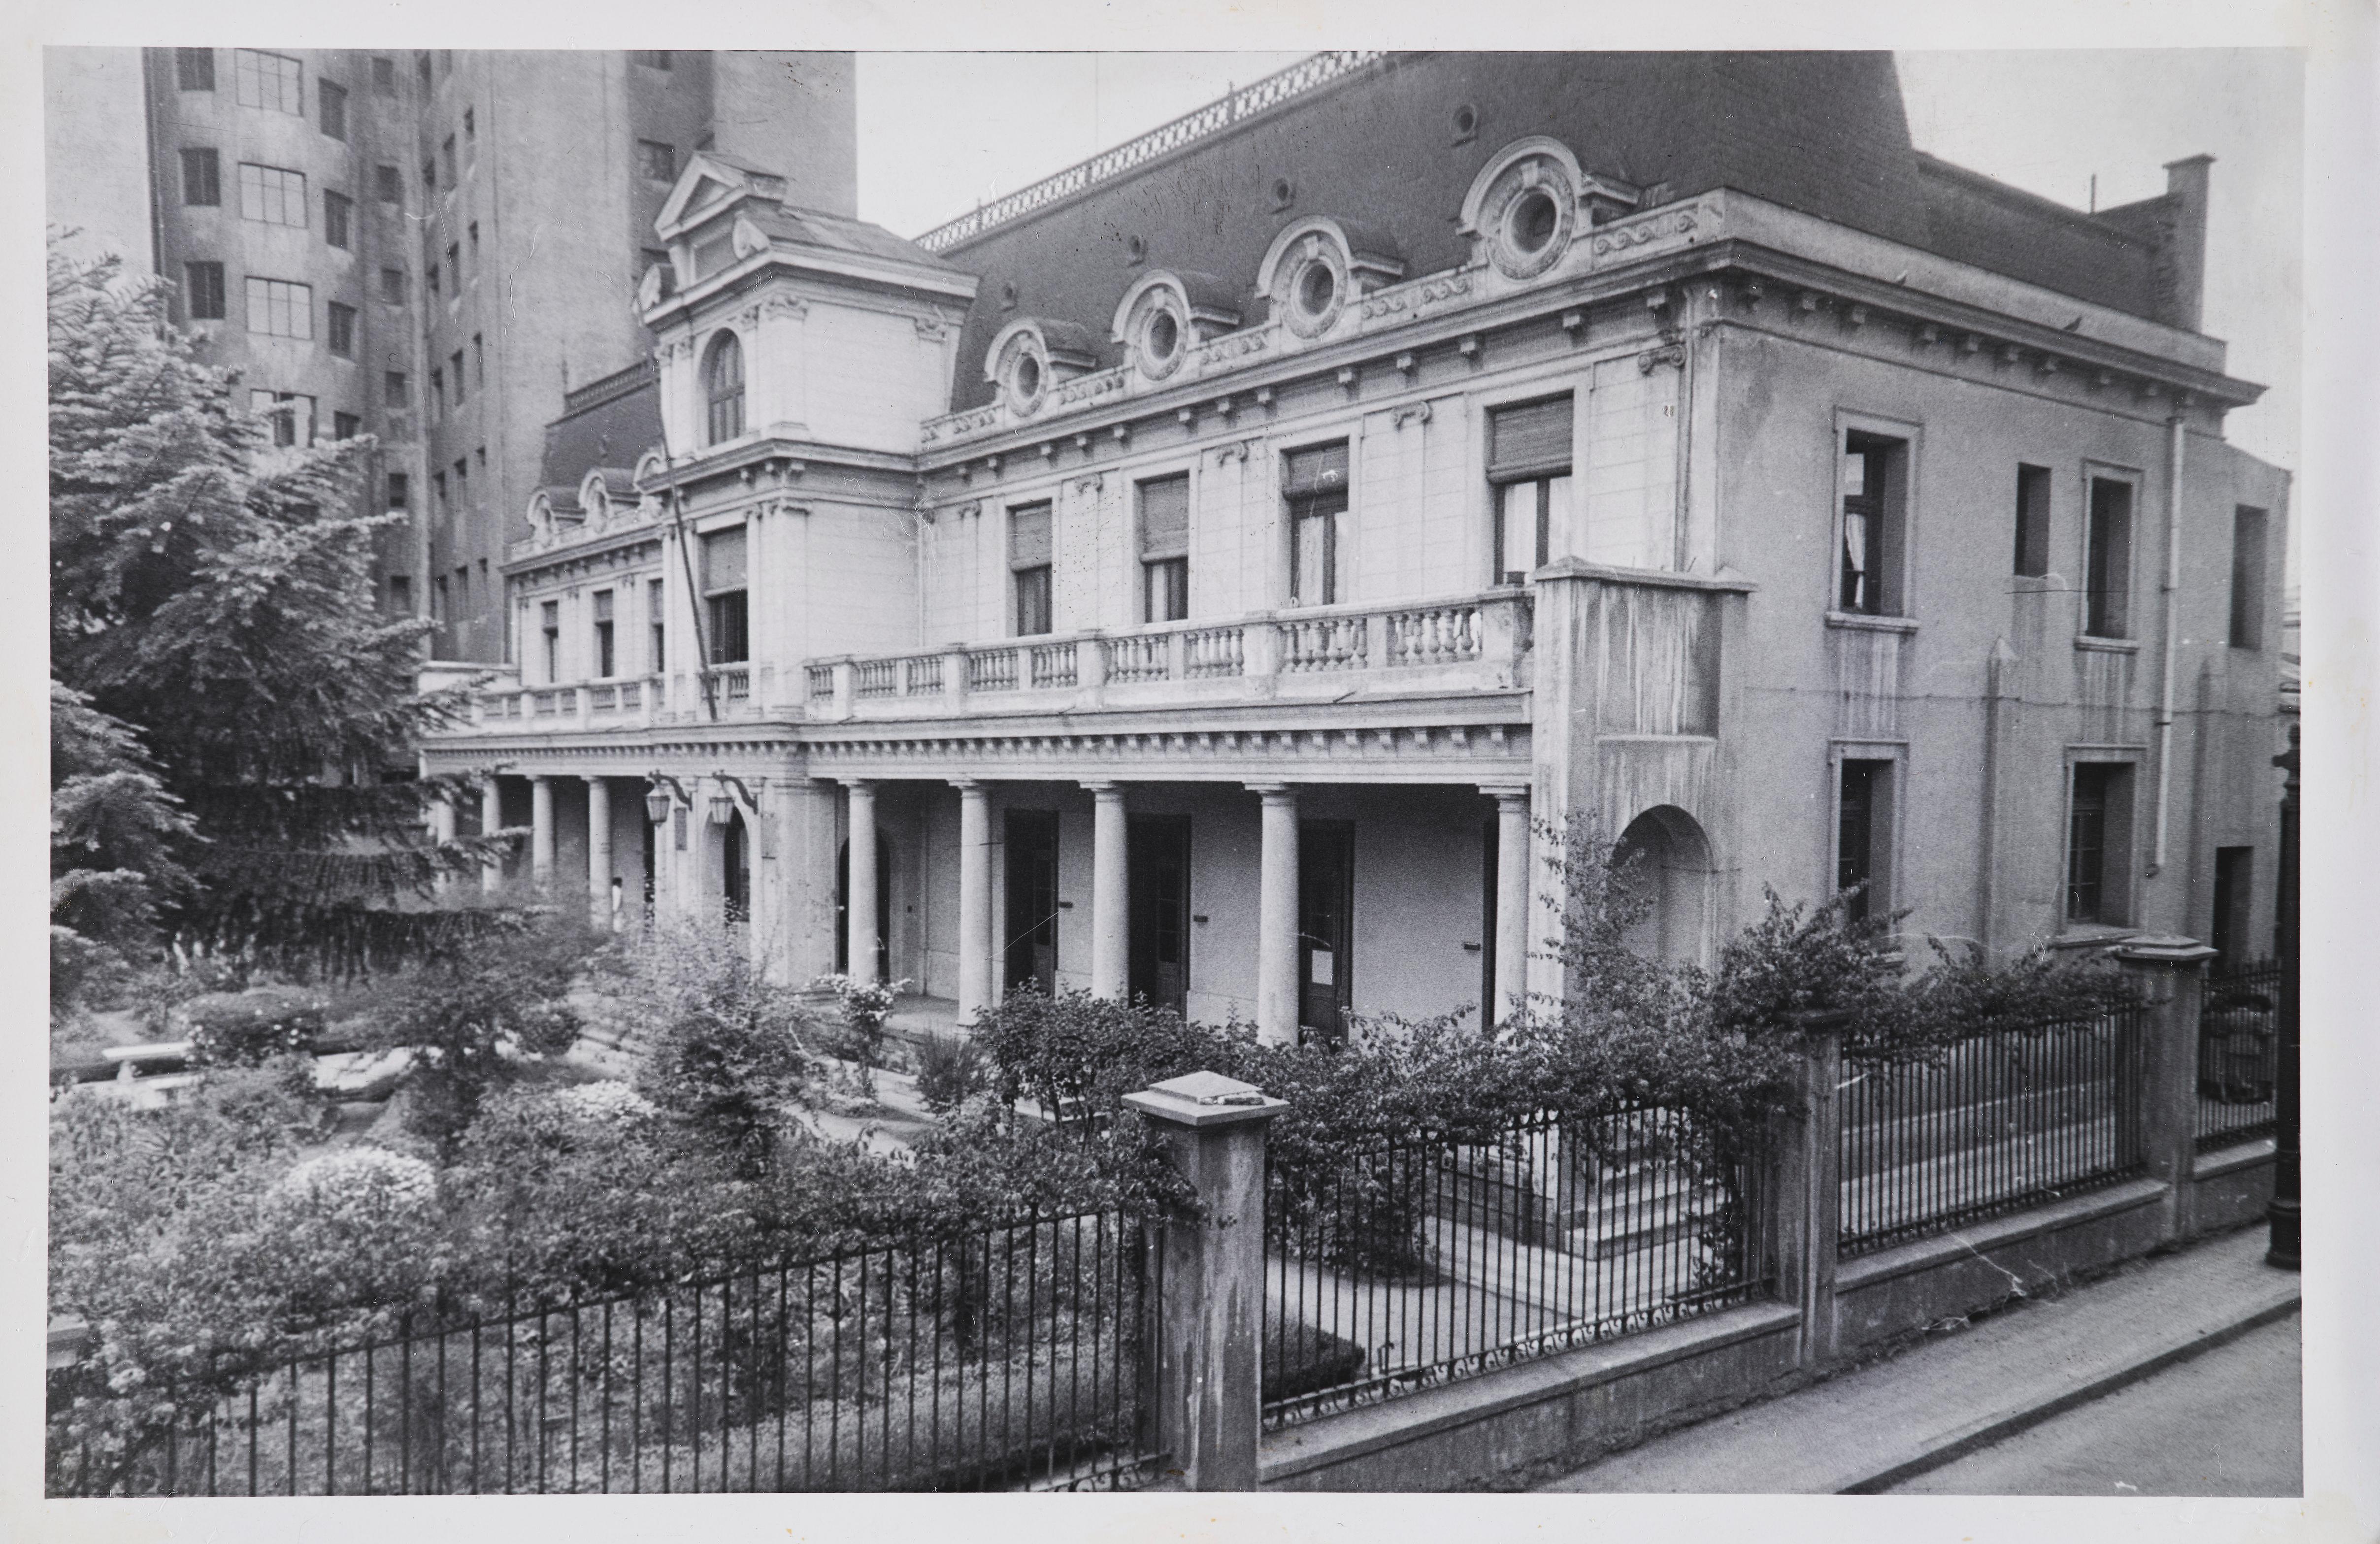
942,132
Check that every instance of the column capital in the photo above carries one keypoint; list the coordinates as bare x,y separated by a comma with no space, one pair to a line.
966,784
1506,793
1105,787
857,785
1273,790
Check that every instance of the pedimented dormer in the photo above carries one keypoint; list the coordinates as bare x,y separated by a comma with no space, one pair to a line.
776,322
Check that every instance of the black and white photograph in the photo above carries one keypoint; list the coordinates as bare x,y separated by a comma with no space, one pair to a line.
1215,785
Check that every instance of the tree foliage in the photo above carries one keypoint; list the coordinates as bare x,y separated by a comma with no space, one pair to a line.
211,605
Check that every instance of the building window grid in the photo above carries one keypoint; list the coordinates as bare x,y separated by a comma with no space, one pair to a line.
201,177
2248,558
331,103
272,195
2086,840
202,285
341,329
277,308
388,183
274,82
603,620
2032,522
725,598
1165,549
2107,559
1315,486
1861,822
338,216
550,630
1529,481
194,70
1869,540
657,629
722,380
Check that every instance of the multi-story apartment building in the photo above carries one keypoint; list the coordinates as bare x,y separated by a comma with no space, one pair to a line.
1210,572
429,246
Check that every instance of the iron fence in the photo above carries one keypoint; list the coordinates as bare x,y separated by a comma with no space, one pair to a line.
2239,1054
1014,1357
1989,1125
1425,1260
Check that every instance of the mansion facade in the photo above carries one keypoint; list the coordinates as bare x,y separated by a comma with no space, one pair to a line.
1213,573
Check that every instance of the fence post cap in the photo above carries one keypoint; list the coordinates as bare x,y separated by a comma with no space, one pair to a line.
2163,949
1199,1099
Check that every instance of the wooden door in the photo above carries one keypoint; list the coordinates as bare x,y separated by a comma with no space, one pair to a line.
1326,901
1032,954
1159,848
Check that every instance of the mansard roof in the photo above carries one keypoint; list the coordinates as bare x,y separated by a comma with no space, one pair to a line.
1396,143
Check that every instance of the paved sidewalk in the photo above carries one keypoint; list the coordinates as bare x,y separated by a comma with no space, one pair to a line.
1877,1427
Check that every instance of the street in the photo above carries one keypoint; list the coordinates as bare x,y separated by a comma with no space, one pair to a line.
2227,1423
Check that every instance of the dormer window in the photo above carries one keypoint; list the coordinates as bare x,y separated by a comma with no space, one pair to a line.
722,385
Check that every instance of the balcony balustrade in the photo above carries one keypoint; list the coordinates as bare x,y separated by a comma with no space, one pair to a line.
1474,643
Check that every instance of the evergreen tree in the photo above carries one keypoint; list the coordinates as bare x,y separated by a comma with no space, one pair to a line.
214,593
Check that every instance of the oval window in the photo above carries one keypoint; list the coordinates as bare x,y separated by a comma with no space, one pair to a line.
1534,221
1164,335
1026,378
1317,288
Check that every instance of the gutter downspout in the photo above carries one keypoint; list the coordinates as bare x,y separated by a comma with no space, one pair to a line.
2167,643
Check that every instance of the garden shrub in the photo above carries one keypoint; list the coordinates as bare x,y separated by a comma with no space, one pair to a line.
1303,1359
247,1029
952,1069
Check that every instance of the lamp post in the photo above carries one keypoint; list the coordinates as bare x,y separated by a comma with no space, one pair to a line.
2283,1216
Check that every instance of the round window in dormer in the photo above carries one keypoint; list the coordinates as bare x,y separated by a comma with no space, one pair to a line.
1026,377
1316,288
1164,336
1527,210
1532,221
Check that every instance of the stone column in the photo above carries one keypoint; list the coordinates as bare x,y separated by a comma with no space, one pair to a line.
1209,1402
541,831
2157,1106
441,831
599,854
1111,875
491,820
1277,917
1513,876
975,898
860,919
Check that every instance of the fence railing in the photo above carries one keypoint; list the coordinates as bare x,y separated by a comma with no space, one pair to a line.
1013,1358
2239,1054
1989,1125
1426,1260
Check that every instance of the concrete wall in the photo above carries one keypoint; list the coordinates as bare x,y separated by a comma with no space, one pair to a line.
95,145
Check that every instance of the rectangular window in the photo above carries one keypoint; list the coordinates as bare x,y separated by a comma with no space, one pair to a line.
400,594
2234,876
657,629
454,270
1028,568
1315,484
1874,473
1528,467
270,80
201,177
338,212
1165,549
342,330
194,69
272,195
391,285
384,73
438,600
479,360
550,615
2107,559
1862,830
461,396
388,184
203,283
652,58
656,161
400,490
291,415
2032,521
396,389
446,162
722,592
331,101
603,634
2247,578
430,173
345,426
2098,843
279,309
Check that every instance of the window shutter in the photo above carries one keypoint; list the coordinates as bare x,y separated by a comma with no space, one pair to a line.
1320,470
722,561
1165,517
1529,439
1028,536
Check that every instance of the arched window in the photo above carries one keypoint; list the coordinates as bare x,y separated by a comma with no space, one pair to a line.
723,382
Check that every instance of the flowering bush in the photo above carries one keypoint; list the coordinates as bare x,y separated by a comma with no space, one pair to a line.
247,1029
866,1007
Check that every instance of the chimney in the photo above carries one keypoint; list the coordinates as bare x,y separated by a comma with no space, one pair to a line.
2185,186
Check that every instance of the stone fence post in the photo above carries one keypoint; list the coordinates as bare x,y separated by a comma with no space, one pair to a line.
2171,971
1808,1185
1209,1399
